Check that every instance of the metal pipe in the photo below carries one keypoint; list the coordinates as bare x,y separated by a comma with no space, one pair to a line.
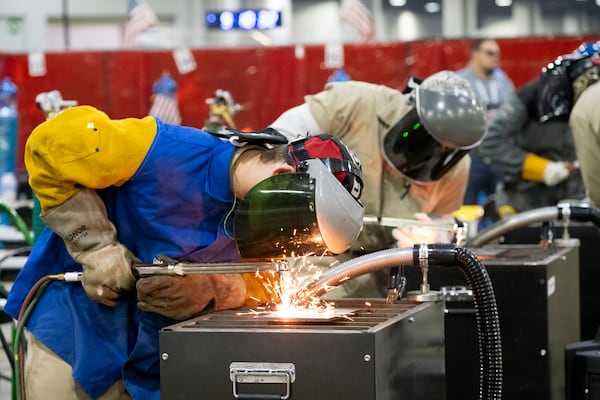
358,266
519,220
178,268
563,212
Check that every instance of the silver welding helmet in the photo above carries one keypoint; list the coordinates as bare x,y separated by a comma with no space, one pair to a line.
446,120
296,214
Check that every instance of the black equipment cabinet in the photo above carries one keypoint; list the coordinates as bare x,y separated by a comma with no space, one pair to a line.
589,265
583,370
537,294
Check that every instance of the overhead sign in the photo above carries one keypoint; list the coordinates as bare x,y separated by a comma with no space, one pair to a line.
226,20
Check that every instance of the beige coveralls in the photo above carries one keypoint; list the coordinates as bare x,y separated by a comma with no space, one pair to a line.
585,125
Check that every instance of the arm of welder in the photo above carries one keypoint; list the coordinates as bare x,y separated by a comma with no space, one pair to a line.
69,156
501,145
185,296
296,122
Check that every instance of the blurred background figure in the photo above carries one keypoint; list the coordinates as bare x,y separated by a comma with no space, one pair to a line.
530,139
9,123
164,100
585,121
51,103
493,87
221,110
339,75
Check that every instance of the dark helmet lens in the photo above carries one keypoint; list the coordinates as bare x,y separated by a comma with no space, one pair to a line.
277,218
555,96
415,153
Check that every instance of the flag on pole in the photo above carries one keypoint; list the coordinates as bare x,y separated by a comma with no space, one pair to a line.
140,17
164,100
166,109
360,17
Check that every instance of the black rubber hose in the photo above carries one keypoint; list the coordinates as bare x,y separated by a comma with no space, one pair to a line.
583,214
488,324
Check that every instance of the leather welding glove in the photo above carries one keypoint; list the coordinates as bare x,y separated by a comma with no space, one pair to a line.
182,297
90,238
540,169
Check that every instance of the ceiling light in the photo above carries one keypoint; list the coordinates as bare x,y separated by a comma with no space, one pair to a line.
397,3
432,7
503,3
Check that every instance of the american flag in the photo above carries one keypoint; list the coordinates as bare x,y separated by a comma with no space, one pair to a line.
166,109
360,17
139,18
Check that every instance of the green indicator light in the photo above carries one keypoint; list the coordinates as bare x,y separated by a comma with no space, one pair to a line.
405,134
416,126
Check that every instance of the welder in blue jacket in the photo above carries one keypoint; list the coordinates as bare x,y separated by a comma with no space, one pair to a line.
117,192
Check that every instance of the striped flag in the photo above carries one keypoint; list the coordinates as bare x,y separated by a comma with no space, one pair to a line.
360,17
166,109
139,18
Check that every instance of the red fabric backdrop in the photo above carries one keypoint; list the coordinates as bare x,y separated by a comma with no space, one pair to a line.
266,81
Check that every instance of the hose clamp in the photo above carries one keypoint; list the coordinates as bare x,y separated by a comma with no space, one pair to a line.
565,210
424,255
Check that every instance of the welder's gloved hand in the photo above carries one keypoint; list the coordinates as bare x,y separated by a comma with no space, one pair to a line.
424,231
90,238
182,297
540,169
555,173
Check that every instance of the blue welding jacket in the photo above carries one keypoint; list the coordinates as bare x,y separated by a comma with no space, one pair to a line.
176,205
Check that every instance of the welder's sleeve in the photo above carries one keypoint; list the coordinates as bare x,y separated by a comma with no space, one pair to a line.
345,107
261,288
585,124
296,122
83,147
501,143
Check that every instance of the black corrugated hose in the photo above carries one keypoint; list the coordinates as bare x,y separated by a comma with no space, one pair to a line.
583,214
488,325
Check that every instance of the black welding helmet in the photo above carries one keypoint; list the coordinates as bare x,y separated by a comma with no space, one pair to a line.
311,211
555,91
445,121
555,97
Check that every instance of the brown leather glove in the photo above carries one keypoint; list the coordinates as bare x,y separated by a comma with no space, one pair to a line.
183,297
91,239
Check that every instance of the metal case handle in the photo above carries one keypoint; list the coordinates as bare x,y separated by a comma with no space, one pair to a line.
262,372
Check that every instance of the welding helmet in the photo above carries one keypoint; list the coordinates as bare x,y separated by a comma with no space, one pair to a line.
445,121
559,78
310,211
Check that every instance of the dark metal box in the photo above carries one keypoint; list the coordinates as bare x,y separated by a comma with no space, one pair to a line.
381,352
537,293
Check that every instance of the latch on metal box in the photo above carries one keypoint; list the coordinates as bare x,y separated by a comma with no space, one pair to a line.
262,372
